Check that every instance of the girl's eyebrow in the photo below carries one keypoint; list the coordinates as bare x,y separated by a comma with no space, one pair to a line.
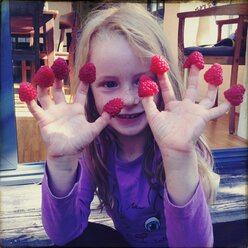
107,77
112,77
141,73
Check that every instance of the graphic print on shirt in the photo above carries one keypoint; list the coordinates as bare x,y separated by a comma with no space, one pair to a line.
153,223
144,219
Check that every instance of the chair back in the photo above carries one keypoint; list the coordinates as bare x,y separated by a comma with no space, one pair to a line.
224,55
68,21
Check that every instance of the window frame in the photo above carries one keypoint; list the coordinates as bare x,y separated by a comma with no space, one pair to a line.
11,172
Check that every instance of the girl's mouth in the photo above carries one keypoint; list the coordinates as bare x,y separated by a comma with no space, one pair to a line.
129,116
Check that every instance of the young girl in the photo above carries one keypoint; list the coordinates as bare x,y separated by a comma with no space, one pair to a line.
149,165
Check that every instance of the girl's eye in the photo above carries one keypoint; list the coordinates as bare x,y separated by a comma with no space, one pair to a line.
110,84
136,82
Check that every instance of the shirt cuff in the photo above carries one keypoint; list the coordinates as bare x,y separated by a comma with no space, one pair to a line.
46,185
187,210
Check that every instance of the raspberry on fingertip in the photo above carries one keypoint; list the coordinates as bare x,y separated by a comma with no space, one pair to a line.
235,94
114,106
159,65
195,58
147,87
27,92
87,73
44,77
214,75
60,68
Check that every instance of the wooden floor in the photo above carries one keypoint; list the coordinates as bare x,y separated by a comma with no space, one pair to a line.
217,134
20,217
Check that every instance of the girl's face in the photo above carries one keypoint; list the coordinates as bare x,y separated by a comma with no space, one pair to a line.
117,75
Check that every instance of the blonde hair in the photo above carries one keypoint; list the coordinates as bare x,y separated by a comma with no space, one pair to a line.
146,37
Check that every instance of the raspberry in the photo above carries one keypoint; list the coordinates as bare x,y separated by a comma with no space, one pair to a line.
60,69
44,77
114,106
27,92
87,73
214,75
235,94
147,87
196,59
159,65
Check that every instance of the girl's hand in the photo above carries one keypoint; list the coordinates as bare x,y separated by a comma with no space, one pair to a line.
177,128
181,123
63,125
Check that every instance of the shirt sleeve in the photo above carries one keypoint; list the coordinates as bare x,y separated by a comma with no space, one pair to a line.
189,225
65,218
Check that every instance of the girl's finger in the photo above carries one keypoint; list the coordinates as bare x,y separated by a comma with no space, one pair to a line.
166,88
101,123
193,79
81,93
219,110
37,112
150,108
44,98
58,94
209,100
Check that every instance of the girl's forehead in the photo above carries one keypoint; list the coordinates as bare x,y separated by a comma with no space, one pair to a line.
114,56
104,37
108,47
114,47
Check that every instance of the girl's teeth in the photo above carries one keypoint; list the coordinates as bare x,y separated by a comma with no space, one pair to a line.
129,116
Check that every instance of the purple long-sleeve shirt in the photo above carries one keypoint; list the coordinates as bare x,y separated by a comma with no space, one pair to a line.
145,217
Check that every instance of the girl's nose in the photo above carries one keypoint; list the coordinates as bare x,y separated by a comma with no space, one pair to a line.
131,97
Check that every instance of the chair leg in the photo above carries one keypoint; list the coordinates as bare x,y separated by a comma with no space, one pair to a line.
24,71
232,120
32,71
233,81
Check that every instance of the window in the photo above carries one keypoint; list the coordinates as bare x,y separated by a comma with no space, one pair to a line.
10,171
157,8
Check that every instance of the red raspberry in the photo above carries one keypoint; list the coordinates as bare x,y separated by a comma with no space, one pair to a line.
159,65
44,77
235,94
147,87
87,73
27,92
196,59
114,106
60,69
214,75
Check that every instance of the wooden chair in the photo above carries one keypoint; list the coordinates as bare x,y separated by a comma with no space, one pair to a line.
25,19
47,36
225,55
68,22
